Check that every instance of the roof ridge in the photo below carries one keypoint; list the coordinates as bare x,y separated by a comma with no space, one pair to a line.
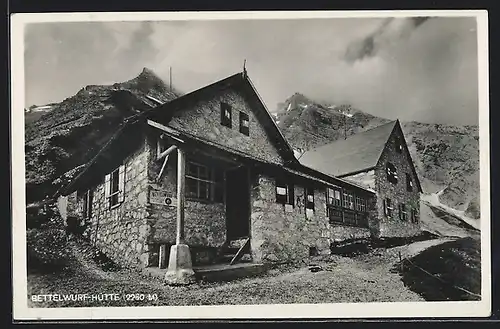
352,136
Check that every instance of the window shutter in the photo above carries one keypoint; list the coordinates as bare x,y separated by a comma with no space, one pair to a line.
121,183
291,194
107,186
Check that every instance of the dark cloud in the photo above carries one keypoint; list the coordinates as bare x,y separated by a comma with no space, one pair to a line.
369,45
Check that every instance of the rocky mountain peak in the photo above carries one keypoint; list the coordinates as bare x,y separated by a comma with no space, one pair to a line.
146,81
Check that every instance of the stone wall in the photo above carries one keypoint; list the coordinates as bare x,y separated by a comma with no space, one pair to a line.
203,120
121,232
205,222
280,233
395,227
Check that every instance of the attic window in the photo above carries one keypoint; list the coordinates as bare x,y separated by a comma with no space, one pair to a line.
409,183
284,193
399,145
225,114
392,175
244,124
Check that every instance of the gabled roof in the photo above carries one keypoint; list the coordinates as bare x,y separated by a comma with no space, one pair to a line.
357,153
239,81
164,112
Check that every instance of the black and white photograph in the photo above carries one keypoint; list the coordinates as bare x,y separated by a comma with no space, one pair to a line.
250,165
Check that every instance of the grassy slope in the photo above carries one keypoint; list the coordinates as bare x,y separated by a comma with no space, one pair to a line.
445,261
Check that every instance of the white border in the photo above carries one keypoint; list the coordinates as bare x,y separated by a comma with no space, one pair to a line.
342,310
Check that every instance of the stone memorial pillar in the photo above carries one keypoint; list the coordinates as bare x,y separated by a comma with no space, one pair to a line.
180,268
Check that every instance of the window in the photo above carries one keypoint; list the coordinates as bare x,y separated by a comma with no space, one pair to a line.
399,145
360,204
225,115
203,183
87,204
348,200
284,193
333,197
403,213
414,215
335,215
392,175
244,124
346,207
409,183
388,207
114,186
309,198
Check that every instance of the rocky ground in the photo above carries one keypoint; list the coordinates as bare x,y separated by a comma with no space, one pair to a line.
375,274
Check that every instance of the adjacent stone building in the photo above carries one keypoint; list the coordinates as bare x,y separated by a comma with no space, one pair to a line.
378,159
241,185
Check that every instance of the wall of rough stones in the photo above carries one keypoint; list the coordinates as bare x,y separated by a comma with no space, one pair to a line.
280,233
203,120
205,222
121,233
395,227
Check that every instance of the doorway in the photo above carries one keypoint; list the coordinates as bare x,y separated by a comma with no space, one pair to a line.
237,203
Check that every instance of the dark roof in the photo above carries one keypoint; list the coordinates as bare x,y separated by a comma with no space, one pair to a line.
357,153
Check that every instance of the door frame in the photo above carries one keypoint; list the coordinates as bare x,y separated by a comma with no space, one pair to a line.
249,190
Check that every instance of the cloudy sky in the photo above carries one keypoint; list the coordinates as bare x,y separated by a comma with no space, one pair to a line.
408,68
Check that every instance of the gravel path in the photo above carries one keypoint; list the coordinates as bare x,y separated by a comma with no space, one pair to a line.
365,278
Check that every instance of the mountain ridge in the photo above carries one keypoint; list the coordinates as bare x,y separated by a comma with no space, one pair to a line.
60,141
446,157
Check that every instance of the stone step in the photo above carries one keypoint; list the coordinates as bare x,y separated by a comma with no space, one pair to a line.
237,243
226,258
226,272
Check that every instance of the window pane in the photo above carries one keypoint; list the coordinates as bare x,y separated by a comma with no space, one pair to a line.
114,199
191,188
114,182
281,190
203,172
203,190
192,169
